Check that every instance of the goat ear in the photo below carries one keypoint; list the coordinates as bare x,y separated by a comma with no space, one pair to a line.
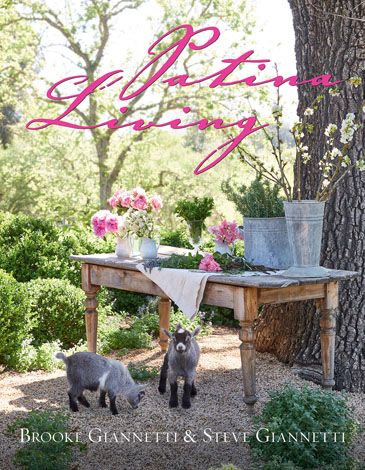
196,331
167,333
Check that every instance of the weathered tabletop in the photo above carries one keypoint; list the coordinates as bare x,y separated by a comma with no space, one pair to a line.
241,293
265,281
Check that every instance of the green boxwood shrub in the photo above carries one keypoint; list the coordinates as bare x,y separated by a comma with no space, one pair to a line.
178,238
304,410
32,248
127,302
58,310
14,317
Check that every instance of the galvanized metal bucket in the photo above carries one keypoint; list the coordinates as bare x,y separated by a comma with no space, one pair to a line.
304,221
266,242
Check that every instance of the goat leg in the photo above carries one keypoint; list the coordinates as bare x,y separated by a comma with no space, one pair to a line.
173,397
194,391
163,375
186,396
81,398
102,402
113,406
73,402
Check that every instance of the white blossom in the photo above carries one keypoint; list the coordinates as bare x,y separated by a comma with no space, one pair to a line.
306,157
355,81
348,128
308,112
346,161
330,130
335,152
334,91
361,165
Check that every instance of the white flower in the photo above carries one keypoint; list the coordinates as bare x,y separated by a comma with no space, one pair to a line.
361,165
306,157
325,182
355,81
348,128
334,91
330,130
277,110
308,112
346,161
335,152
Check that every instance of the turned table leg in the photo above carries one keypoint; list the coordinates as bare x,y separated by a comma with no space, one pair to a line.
164,308
91,314
245,311
328,333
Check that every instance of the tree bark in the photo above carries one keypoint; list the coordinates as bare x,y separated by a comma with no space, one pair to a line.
330,38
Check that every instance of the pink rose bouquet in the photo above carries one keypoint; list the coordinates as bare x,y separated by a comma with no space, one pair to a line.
226,232
135,199
104,222
208,263
137,208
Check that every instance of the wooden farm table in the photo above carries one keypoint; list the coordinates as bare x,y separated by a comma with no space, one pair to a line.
242,294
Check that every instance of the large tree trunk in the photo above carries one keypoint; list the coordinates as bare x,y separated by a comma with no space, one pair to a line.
329,41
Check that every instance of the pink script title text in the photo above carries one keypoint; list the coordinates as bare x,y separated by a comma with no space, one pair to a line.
163,61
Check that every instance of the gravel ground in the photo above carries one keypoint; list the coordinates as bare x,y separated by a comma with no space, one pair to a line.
217,408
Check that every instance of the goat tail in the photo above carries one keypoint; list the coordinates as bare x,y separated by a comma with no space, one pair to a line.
61,356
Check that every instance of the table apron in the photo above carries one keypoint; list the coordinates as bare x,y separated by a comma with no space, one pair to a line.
220,295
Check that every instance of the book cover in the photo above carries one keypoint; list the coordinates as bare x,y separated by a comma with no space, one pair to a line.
182,234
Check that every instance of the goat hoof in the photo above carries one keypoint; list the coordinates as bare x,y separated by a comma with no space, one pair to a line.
194,392
173,404
186,404
162,389
103,405
74,409
114,412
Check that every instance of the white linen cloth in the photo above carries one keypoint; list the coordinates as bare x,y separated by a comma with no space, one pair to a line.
184,287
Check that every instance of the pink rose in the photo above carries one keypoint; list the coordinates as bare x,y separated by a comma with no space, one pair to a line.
98,222
156,202
136,192
111,223
120,198
125,199
113,201
209,264
140,203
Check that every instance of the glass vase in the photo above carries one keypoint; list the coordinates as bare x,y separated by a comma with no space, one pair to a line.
195,233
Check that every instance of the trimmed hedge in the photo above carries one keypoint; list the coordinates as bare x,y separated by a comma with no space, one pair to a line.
58,310
32,248
14,317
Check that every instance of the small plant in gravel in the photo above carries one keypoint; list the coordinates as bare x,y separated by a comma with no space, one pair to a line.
141,373
47,454
305,411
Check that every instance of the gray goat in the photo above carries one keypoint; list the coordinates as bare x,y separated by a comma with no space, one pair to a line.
181,360
90,371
